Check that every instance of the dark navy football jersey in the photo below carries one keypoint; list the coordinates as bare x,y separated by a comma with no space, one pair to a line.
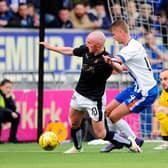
94,74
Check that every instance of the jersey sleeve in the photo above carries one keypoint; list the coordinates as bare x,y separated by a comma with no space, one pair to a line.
125,54
80,51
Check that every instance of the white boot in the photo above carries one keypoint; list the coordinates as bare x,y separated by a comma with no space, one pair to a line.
73,150
134,147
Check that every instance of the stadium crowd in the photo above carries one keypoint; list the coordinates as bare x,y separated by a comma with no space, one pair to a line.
141,15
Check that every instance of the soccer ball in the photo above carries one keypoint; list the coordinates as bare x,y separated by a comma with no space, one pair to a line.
48,140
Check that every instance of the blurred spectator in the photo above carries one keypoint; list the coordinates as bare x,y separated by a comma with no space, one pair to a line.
52,8
88,7
62,21
99,14
36,4
164,5
80,18
22,18
145,22
5,13
8,109
117,12
132,14
14,4
157,54
163,26
32,12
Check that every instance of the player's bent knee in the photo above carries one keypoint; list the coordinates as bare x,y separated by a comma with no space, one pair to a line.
113,118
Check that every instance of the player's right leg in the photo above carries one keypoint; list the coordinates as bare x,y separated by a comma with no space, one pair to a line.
76,132
75,117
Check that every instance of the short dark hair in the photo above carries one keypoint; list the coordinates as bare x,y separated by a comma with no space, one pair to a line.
4,81
120,23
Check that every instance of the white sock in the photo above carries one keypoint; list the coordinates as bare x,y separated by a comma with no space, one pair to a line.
124,127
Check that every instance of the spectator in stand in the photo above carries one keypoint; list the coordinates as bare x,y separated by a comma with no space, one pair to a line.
8,109
117,12
80,19
63,20
53,6
132,14
164,5
163,26
157,54
21,18
5,13
36,4
14,4
99,14
145,22
32,12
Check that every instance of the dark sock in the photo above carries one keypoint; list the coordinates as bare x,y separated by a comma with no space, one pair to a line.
76,135
117,139
165,138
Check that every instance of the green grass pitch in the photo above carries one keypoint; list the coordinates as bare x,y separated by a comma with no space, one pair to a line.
30,155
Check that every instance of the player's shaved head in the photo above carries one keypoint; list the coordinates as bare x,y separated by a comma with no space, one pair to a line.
97,37
95,42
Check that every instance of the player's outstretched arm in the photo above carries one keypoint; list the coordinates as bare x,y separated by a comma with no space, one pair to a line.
61,50
116,63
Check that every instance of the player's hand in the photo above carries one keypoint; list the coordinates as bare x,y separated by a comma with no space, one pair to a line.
107,59
14,115
45,44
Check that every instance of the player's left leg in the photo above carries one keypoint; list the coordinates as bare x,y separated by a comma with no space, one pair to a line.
125,130
114,137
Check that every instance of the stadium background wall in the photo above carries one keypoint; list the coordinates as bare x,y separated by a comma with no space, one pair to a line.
19,49
56,107
19,62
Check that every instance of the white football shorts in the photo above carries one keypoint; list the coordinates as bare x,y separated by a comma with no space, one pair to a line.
95,109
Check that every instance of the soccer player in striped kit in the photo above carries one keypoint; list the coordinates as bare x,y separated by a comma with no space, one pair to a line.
133,58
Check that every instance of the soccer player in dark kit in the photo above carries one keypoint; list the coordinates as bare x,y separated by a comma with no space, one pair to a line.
89,95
